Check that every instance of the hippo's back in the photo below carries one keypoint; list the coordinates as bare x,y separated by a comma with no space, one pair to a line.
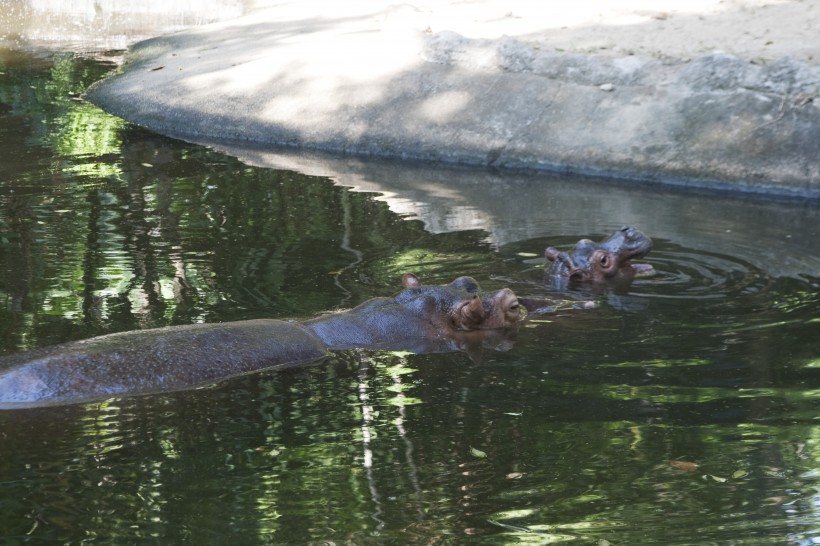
151,361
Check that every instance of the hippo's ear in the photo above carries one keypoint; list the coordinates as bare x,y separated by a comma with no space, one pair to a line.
470,315
551,253
408,280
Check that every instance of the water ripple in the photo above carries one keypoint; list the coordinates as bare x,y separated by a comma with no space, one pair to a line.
688,274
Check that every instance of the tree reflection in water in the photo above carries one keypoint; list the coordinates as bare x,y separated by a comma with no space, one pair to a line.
683,412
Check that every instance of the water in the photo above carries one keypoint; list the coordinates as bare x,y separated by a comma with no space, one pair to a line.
682,412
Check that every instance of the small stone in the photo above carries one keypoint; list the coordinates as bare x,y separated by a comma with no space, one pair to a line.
607,87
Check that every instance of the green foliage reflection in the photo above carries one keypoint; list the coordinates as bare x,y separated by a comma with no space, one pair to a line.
674,423
104,227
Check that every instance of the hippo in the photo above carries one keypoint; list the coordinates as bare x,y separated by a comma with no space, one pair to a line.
452,317
417,315
604,263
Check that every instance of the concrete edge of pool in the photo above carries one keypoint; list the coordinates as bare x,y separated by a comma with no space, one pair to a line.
372,83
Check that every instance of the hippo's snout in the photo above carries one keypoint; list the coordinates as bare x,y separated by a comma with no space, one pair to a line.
509,305
628,243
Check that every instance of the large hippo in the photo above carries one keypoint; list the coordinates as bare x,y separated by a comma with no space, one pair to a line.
419,318
605,263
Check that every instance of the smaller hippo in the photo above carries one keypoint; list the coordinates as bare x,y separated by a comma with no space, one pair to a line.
607,262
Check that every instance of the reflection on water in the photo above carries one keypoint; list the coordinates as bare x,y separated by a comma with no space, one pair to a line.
681,412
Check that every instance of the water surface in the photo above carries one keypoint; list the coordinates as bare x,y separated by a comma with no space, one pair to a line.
682,412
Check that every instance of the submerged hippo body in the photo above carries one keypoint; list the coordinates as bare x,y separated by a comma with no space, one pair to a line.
150,361
605,263
419,318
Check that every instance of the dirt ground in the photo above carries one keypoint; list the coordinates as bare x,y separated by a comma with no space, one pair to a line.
763,30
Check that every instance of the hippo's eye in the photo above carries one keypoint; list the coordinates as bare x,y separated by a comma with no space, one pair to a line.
605,260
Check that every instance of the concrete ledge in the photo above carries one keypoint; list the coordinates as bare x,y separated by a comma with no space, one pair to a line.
373,83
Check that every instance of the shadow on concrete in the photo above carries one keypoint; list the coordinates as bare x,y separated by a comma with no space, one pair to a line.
345,85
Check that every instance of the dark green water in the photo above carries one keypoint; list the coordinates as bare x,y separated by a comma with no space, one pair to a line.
684,412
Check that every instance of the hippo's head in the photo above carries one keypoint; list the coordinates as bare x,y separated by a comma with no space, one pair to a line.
462,305
609,260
